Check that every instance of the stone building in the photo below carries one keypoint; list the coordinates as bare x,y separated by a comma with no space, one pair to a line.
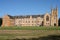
48,19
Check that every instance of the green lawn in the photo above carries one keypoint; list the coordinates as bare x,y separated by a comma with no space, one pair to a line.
28,32
29,28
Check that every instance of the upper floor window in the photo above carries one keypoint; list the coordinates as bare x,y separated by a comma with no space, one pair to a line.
47,18
28,21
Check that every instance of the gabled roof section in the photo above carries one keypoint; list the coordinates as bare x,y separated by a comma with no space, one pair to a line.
35,16
21,16
26,16
10,16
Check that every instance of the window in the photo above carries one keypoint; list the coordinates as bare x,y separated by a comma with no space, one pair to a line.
32,21
47,18
28,21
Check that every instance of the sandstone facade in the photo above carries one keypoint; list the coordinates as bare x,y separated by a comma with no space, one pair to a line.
48,19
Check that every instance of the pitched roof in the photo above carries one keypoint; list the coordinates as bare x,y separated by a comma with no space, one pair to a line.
10,16
35,16
27,16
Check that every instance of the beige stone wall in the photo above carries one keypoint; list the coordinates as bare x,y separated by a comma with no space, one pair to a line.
31,21
47,23
28,21
54,17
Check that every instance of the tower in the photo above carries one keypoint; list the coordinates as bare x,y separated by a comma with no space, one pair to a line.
54,17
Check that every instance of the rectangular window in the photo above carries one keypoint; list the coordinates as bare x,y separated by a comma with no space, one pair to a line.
28,21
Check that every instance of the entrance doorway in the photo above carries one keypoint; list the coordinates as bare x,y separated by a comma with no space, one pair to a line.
54,24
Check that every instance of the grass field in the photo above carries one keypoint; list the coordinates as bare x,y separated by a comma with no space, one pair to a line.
29,28
29,33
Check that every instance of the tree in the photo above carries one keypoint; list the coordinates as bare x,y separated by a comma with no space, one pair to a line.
0,21
59,22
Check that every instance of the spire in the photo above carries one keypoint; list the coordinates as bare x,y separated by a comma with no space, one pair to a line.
56,7
51,8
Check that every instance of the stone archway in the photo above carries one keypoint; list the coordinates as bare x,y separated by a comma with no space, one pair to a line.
54,24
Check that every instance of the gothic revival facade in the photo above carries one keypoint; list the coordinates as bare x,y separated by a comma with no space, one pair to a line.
48,19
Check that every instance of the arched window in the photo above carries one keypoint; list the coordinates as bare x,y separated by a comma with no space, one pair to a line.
47,18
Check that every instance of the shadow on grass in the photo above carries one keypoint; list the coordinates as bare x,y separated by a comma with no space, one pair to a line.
49,37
